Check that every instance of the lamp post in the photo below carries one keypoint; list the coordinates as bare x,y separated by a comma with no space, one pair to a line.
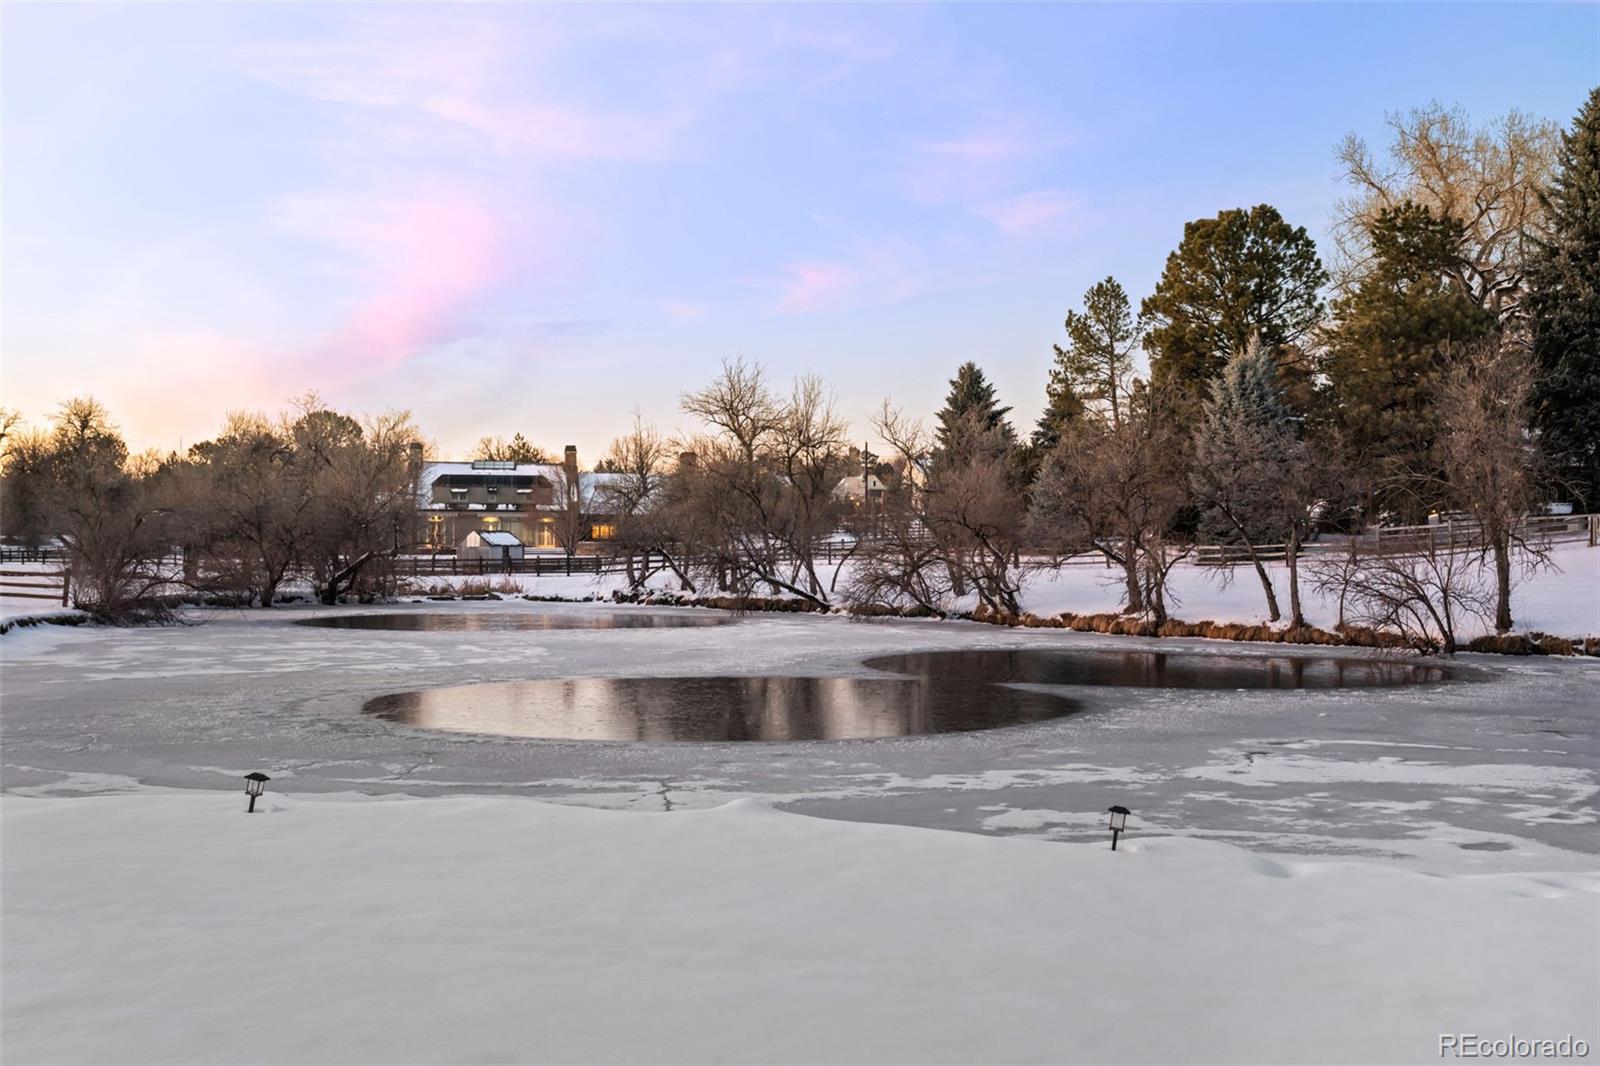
1119,822
255,783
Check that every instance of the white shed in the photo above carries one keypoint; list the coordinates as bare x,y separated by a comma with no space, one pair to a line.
492,546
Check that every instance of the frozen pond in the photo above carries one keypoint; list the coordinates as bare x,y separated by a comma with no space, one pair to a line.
718,708
503,621
1493,769
1158,669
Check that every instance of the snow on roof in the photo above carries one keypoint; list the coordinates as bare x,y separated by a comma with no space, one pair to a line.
590,484
499,539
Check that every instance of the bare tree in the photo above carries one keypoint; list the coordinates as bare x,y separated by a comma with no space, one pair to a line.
106,518
1116,490
574,495
516,450
635,498
25,475
899,566
974,508
1487,178
1423,598
1490,459
363,500
252,506
762,490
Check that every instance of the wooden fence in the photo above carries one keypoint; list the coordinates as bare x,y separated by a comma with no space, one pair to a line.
10,553
1447,536
36,585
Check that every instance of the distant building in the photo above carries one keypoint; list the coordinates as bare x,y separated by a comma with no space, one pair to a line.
490,547
536,503
858,488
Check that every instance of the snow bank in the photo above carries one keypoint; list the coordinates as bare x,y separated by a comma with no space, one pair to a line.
173,928
1563,599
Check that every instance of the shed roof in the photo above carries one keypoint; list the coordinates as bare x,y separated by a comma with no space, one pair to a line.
499,539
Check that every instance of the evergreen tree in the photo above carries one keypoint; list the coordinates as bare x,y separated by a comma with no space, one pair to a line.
1564,301
1389,349
1244,451
969,410
1094,370
1239,275
1062,408
1246,394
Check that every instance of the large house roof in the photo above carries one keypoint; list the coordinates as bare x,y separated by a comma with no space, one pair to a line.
590,484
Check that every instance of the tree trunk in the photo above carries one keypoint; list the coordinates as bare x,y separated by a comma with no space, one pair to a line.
1273,614
1502,581
1292,559
1135,592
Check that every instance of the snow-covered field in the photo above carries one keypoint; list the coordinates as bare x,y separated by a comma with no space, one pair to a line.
172,928
1562,599
1334,875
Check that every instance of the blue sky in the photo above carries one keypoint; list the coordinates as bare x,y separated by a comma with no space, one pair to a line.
536,218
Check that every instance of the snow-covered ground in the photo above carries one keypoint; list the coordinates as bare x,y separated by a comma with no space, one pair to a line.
1319,875
174,928
1562,599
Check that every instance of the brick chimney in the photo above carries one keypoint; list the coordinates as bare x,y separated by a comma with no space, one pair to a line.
688,461
569,463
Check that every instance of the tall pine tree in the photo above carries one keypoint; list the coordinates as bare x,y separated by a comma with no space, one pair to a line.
970,408
1564,305
1096,366
1239,275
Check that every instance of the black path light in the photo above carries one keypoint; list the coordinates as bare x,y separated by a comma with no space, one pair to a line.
255,783
1119,822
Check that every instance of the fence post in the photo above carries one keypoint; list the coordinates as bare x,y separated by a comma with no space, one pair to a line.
1594,529
66,586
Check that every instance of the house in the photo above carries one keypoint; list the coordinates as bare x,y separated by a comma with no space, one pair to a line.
543,506
860,488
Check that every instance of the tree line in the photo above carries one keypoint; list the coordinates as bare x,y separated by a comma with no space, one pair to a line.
1444,358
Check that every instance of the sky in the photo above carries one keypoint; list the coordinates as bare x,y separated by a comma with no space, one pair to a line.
541,218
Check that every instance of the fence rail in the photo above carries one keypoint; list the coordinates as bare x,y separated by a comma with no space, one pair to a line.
36,585
1448,536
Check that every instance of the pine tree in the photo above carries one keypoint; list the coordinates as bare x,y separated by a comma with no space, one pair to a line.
1062,408
1094,370
970,410
1239,275
1564,302
1252,472
1390,347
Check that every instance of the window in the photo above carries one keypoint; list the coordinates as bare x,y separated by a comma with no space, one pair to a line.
604,531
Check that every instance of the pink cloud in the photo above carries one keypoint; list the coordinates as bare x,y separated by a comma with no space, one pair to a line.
416,263
684,310
1030,212
815,287
873,272
404,76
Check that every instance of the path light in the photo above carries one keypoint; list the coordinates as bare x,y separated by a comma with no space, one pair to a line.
255,783
1119,822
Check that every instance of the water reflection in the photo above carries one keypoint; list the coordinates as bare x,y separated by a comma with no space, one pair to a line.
717,708
1155,669
511,620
